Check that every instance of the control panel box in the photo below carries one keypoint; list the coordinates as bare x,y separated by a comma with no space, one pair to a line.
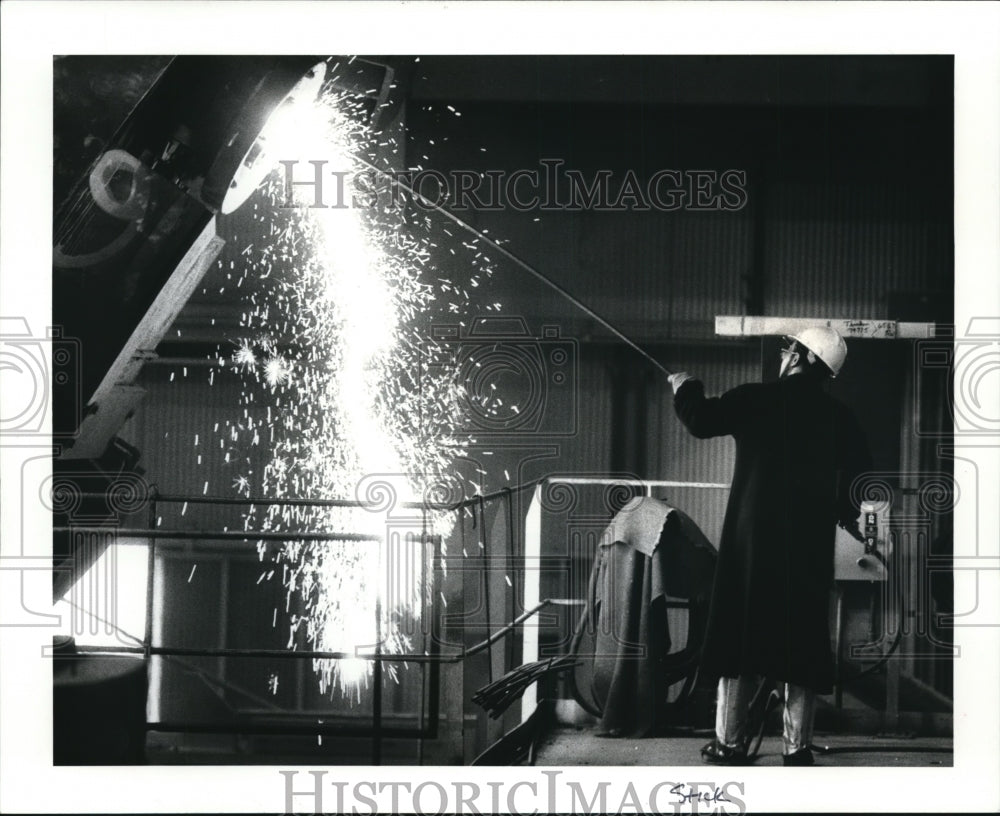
854,560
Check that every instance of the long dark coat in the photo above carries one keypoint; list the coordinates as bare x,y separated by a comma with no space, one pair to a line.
797,452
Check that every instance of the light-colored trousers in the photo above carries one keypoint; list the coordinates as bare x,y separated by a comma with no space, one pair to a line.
735,694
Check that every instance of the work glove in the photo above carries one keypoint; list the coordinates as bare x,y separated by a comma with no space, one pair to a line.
678,379
852,528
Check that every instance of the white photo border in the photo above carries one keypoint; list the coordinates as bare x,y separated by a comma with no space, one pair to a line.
32,32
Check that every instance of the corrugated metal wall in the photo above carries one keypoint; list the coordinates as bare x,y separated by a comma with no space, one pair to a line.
838,250
819,250
182,429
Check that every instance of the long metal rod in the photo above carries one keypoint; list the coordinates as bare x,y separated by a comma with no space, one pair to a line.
150,570
517,622
423,582
433,693
290,728
236,501
511,597
219,535
638,483
496,494
244,500
288,654
377,673
487,576
410,505
284,654
393,179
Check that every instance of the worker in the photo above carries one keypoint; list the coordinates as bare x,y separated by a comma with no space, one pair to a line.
798,453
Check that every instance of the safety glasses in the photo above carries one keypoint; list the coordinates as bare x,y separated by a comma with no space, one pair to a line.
791,348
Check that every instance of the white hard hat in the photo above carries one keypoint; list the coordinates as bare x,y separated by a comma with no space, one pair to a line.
825,343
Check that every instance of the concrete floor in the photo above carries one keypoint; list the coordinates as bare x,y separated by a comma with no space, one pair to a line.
581,746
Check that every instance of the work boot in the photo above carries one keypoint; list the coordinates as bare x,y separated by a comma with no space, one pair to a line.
715,753
799,758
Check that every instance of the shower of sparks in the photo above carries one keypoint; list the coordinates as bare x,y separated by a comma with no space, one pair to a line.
277,371
245,356
358,402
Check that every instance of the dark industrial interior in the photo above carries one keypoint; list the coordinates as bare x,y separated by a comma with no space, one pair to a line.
838,210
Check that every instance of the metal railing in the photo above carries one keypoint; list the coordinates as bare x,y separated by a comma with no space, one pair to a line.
430,660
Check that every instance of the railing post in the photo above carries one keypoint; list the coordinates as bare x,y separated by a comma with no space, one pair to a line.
532,590
150,584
